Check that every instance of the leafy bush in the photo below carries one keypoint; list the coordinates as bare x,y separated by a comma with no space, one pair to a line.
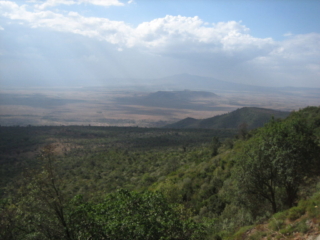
302,227
276,224
131,215
296,212
241,232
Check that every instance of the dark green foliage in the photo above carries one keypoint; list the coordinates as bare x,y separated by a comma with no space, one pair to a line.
278,220
131,215
243,131
215,146
45,211
296,212
90,152
276,161
228,143
173,180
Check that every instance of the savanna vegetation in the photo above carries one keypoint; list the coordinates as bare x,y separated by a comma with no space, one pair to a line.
137,183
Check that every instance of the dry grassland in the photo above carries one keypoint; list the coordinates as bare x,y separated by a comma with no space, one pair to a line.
101,107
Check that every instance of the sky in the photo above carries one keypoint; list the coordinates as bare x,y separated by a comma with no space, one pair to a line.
92,42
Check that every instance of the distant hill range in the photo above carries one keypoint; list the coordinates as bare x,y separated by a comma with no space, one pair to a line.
172,99
199,83
179,95
252,116
187,81
194,82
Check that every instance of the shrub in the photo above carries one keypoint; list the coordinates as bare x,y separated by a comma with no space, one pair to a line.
276,224
302,227
296,212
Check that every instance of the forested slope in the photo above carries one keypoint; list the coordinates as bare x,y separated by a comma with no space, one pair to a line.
263,183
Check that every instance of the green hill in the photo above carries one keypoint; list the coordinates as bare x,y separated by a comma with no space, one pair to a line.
263,186
251,116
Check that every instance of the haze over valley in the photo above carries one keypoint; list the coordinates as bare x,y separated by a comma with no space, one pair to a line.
149,106
148,64
159,119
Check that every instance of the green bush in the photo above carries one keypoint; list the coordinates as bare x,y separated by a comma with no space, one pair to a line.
281,215
257,236
296,212
287,230
313,207
131,215
302,227
276,224
241,232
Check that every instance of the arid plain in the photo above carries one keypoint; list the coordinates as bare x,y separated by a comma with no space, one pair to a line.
130,107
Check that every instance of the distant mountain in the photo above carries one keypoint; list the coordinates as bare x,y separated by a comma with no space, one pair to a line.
185,95
171,99
196,83
187,81
253,117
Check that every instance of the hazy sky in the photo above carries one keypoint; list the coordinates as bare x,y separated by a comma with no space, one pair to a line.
87,42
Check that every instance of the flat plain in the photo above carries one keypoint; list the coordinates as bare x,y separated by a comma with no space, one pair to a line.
130,107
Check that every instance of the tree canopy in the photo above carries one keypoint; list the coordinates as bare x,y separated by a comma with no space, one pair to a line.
276,161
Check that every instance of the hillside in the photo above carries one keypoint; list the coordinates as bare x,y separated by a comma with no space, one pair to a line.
251,116
20,147
88,182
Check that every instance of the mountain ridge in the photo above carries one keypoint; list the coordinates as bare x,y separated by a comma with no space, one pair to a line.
253,117
195,82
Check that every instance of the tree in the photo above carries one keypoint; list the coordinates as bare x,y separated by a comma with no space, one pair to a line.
43,207
44,211
242,131
215,146
132,215
275,162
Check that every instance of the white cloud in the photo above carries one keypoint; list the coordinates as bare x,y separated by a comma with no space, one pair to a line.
172,35
1,28
178,35
189,38
99,28
52,3
297,59
105,3
298,50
